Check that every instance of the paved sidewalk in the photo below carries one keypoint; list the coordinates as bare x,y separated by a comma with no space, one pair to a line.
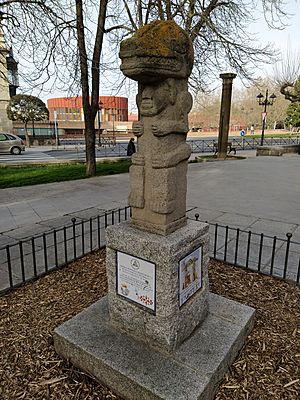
260,194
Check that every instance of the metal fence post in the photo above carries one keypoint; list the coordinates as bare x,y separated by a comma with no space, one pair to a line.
74,237
288,243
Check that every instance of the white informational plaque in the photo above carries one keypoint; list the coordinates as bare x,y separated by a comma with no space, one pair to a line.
136,280
190,275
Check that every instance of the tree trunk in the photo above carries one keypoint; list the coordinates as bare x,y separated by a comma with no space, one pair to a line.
27,140
90,108
90,147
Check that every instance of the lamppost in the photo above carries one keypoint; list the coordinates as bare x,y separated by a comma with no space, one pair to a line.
265,102
100,104
55,128
114,138
112,114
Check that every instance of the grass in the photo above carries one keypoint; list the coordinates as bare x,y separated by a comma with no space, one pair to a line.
273,135
34,175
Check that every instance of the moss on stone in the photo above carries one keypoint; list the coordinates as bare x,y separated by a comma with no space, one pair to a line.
164,39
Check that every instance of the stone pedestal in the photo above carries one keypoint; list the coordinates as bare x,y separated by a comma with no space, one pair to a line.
167,323
177,347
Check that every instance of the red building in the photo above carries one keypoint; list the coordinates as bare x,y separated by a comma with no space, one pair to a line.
111,108
69,119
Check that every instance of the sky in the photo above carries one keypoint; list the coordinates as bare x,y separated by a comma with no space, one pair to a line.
284,39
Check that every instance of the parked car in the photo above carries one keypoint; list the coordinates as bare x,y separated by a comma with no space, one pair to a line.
10,143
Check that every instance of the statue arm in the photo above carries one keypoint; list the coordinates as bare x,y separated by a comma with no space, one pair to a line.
164,128
172,158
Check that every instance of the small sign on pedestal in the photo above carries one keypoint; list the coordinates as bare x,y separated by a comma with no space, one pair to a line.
190,275
136,280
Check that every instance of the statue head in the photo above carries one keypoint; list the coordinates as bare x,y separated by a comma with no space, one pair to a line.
156,52
153,99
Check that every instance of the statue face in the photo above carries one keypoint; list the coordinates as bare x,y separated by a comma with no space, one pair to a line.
154,99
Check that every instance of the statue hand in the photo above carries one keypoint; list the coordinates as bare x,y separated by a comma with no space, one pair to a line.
156,130
138,128
157,162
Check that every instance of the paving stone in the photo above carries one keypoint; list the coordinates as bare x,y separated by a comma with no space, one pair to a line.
86,214
4,277
240,254
204,214
235,220
273,228
26,232
5,240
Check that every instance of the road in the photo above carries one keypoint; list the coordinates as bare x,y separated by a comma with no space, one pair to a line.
75,151
48,155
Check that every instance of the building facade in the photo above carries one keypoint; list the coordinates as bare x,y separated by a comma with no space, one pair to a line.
67,119
67,109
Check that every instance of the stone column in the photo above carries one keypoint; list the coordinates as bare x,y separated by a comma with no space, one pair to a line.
225,113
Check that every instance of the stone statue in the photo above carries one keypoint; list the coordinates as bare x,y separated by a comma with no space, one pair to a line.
160,57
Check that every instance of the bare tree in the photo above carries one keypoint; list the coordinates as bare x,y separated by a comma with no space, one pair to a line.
61,48
287,75
220,31
61,41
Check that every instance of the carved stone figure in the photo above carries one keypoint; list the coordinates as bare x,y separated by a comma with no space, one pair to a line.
160,57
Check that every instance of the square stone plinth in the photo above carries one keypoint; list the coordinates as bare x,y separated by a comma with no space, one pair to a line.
171,320
136,371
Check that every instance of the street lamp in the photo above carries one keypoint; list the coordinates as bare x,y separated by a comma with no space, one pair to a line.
265,102
100,104
55,129
112,114
114,138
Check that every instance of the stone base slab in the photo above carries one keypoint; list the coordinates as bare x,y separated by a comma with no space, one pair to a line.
277,150
135,371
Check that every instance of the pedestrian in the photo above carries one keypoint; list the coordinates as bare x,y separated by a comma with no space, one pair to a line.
252,130
131,147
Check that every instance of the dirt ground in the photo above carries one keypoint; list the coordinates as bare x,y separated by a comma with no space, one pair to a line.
268,367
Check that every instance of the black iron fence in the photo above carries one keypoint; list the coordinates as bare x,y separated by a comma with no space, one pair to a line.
31,258
240,143
119,149
270,255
